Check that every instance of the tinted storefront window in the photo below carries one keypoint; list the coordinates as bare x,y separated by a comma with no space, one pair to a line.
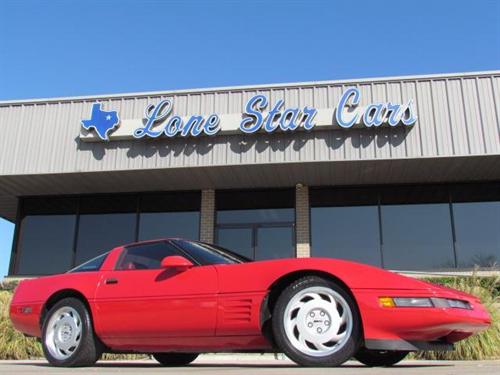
421,227
45,244
105,222
418,227
417,236
98,233
46,236
239,240
347,233
275,243
156,225
51,227
477,227
271,215
170,215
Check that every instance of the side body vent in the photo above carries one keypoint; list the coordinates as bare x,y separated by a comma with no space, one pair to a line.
239,314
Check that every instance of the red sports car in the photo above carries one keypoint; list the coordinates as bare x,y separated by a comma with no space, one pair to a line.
176,298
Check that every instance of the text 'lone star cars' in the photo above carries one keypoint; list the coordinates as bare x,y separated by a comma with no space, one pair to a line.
175,298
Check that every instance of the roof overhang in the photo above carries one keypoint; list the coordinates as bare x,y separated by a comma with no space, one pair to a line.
328,173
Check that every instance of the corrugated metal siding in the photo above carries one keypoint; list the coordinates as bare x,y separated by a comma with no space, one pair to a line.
457,116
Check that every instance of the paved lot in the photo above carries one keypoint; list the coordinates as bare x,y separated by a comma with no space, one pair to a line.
219,365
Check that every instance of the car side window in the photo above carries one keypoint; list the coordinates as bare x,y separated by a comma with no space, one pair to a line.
91,265
146,256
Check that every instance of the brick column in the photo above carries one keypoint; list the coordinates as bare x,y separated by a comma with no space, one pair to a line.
303,248
207,216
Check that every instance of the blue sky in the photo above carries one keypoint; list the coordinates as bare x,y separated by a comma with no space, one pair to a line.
67,48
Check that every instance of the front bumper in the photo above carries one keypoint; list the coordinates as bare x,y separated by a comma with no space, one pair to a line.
418,328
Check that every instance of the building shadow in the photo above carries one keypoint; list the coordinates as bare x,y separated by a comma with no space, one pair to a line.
240,144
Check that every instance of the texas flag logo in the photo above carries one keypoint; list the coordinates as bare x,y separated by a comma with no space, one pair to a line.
101,121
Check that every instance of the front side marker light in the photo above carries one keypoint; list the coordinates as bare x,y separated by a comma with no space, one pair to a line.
412,302
386,302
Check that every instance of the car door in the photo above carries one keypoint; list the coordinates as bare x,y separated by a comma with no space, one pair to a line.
141,300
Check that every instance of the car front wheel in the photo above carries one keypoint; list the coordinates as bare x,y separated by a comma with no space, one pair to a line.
68,337
316,323
374,358
175,359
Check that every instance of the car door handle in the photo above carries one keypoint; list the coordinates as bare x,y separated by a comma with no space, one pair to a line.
111,281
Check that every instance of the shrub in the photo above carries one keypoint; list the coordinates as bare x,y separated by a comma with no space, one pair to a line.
485,345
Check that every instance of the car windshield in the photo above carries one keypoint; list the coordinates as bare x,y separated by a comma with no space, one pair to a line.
206,254
93,264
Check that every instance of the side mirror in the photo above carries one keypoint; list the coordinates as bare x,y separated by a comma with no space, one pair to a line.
177,262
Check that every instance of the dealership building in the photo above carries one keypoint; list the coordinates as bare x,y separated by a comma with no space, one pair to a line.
401,172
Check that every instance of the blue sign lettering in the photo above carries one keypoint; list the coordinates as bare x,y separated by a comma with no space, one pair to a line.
374,115
347,115
173,126
288,119
393,113
159,121
155,115
212,125
342,119
309,114
253,122
408,118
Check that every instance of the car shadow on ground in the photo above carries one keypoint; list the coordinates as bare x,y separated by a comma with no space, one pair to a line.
119,364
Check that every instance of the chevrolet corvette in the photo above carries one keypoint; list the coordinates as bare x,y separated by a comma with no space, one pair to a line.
176,298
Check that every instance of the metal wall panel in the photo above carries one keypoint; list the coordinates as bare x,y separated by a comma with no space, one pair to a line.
458,115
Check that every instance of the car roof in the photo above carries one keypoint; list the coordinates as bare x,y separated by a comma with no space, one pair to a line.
163,239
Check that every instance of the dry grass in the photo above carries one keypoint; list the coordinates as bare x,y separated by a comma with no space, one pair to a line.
485,345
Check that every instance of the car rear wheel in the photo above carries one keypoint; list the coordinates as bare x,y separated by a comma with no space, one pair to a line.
375,358
68,338
316,323
175,359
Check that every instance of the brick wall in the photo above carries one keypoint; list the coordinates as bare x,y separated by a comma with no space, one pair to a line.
303,248
207,216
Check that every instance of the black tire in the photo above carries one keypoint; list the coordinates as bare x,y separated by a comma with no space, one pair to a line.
175,359
376,358
350,344
89,348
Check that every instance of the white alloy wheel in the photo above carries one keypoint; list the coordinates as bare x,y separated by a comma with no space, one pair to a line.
64,333
318,321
